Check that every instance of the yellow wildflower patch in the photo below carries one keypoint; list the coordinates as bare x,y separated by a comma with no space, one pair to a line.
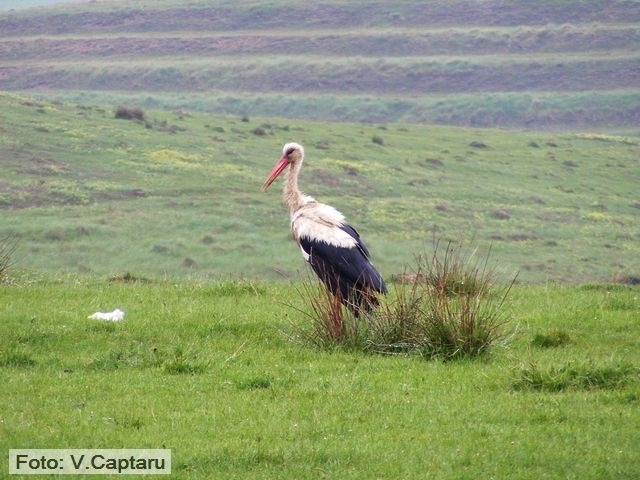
175,158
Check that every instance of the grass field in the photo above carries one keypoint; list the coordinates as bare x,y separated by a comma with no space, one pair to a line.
209,371
208,361
161,215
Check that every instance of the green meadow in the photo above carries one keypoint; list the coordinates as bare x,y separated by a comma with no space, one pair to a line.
215,372
133,143
163,219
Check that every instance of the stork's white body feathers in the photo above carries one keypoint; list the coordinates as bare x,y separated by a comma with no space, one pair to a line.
315,220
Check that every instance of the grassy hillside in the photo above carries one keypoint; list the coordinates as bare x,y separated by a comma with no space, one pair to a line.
177,194
544,65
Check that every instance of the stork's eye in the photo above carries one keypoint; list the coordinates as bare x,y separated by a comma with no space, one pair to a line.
289,151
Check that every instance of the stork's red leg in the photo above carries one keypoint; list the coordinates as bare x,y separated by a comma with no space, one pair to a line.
337,327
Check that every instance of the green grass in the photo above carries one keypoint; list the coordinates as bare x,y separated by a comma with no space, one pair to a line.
163,218
207,369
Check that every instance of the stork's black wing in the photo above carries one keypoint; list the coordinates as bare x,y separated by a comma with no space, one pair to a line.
346,271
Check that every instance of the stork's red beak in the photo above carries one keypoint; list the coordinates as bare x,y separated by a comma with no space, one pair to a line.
275,171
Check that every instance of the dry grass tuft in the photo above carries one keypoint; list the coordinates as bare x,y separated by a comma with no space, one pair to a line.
8,247
449,307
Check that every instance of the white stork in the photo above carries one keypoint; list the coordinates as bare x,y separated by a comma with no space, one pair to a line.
331,246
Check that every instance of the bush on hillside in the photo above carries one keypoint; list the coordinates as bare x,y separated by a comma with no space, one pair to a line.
126,113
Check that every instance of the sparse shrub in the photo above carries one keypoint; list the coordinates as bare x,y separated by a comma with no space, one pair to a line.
128,278
396,327
236,288
254,383
447,308
378,140
8,247
626,279
454,272
461,309
14,359
553,338
189,262
322,332
574,377
181,364
501,214
208,239
125,113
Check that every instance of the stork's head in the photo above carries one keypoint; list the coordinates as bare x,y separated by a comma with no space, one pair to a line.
292,154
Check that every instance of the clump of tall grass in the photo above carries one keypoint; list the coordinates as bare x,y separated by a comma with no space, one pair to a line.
8,247
551,339
321,330
126,113
572,376
450,306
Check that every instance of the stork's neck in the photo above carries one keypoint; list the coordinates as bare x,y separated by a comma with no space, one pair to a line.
293,197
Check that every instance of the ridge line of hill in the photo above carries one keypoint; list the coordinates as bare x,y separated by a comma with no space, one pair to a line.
170,53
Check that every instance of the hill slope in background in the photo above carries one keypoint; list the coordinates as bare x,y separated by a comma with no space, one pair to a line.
178,193
544,65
